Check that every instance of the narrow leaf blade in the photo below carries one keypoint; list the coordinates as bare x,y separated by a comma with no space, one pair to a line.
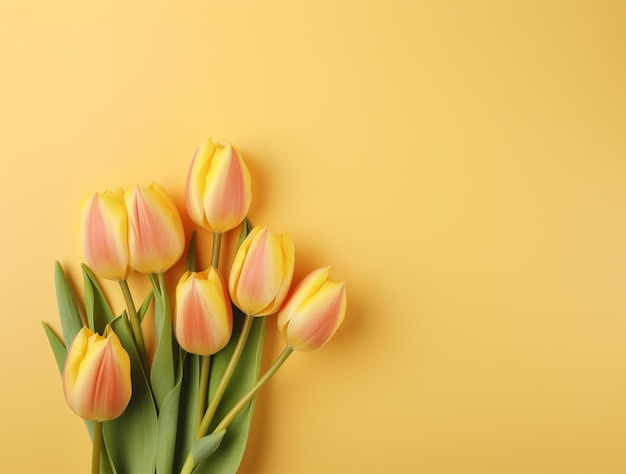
71,321
228,458
131,439
58,348
204,447
99,313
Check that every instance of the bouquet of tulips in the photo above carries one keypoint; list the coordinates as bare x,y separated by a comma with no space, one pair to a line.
187,405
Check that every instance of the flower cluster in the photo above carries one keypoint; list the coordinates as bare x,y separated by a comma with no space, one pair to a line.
170,411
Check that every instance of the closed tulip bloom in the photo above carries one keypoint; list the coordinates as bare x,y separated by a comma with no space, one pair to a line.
104,234
96,376
313,311
156,238
203,321
219,190
262,271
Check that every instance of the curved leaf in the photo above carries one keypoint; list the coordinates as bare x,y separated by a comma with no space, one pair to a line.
228,457
204,447
131,439
187,408
71,321
162,374
58,348
167,431
98,311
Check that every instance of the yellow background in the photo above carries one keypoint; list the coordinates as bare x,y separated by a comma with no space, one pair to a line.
461,165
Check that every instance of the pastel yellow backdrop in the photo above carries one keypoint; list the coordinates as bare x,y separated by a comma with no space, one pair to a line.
462,165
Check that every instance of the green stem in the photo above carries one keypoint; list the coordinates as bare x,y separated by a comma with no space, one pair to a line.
215,251
205,362
164,293
230,368
135,324
96,447
228,419
189,465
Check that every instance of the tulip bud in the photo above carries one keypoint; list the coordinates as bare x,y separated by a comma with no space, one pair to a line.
313,311
104,234
96,376
261,273
156,238
218,191
204,320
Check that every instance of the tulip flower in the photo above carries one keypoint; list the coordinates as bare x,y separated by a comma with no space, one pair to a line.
104,234
156,238
261,273
96,376
313,311
218,191
203,320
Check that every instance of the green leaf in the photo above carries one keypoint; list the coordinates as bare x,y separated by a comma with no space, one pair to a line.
131,439
106,465
246,227
187,408
58,348
162,376
228,457
98,311
168,423
204,447
143,309
191,254
71,321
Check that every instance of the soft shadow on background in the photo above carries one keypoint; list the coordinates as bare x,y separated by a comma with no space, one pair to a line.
461,165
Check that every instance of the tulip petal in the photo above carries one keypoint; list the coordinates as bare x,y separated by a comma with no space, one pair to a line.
104,232
318,318
203,322
227,192
196,181
156,235
313,312
307,287
96,377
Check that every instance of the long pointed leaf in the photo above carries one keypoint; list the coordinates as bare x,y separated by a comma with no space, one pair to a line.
58,348
187,408
131,439
143,309
162,374
228,457
168,422
71,321
98,311
191,254
204,447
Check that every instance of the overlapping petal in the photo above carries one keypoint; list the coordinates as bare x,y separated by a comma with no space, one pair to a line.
313,311
203,320
219,188
261,273
156,237
104,234
96,376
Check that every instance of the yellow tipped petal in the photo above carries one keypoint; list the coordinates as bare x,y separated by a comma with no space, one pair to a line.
228,191
313,311
203,320
262,271
219,187
96,376
196,181
156,238
104,235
